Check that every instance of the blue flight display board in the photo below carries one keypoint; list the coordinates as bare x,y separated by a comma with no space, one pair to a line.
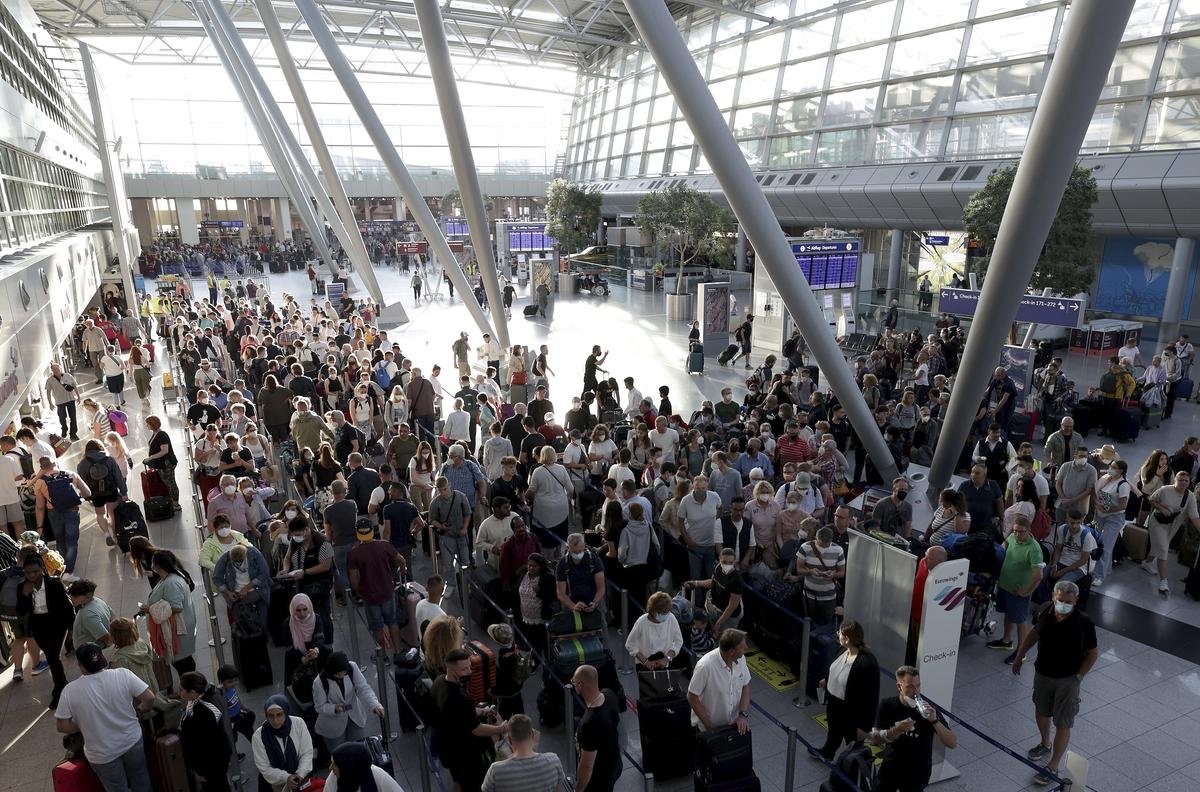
828,263
456,226
529,236
225,224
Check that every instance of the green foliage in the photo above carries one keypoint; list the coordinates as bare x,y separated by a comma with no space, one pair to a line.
1064,265
689,223
454,198
572,215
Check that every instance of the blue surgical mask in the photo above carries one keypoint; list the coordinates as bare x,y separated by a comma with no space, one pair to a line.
1063,608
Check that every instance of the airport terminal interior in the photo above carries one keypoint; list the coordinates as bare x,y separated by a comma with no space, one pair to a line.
458,395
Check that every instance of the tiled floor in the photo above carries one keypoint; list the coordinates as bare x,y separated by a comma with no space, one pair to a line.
1141,707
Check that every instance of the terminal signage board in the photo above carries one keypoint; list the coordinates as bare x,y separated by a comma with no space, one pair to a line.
1052,311
828,263
457,227
412,248
937,239
456,246
223,224
529,236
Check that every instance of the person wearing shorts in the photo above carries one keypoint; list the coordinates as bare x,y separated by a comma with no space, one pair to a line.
1019,578
373,565
1066,651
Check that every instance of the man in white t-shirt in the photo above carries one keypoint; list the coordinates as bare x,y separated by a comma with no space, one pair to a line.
1073,546
697,516
430,608
1024,470
103,705
664,437
719,692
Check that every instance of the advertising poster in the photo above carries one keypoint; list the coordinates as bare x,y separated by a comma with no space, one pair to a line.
1134,272
1018,362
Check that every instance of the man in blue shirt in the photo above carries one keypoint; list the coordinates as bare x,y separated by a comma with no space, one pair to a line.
751,458
400,520
580,577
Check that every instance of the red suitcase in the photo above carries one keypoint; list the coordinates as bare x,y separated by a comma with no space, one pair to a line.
152,485
123,342
149,350
168,769
483,672
407,597
76,776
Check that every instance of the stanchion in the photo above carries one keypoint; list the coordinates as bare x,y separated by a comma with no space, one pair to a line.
433,547
198,507
352,628
460,579
627,658
648,782
217,641
381,663
789,772
569,723
423,761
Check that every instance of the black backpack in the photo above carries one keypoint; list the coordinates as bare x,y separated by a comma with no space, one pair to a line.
855,763
99,478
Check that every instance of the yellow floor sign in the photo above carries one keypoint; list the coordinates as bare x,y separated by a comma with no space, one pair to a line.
776,674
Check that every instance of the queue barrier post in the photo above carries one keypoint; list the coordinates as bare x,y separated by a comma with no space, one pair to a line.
460,579
214,624
648,782
789,772
384,699
805,648
423,761
569,723
627,658
352,628
433,546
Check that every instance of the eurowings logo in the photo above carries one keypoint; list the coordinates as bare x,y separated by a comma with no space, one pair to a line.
950,597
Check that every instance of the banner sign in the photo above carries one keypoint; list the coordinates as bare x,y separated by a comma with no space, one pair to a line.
456,247
937,646
1052,311
334,292
412,248
221,223
938,240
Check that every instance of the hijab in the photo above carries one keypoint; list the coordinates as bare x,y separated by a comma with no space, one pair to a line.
302,629
354,768
283,757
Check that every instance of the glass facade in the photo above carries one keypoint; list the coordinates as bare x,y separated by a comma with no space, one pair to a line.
883,81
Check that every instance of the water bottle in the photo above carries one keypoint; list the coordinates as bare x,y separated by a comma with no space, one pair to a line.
925,708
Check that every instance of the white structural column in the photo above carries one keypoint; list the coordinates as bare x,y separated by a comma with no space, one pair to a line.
304,170
269,138
282,222
391,158
895,264
437,55
185,211
1085,53
114,181
1168,329
755,215
350,237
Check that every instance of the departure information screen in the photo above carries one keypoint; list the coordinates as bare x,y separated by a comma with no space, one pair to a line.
529,236
828,263
457,227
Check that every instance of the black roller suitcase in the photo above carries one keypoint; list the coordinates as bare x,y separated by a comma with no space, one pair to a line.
728,354
666,733
250,654
723,755
747,784
1128,424
530,311
695,362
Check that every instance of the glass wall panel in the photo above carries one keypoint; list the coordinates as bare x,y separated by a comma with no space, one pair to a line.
725,60
804,77
1172,122
920,140
1147,19
723,92
752,150
1113,126
751,121
779,9
989,7
656,136
653,163
1000,88
1011,37
640,115
998,134
1187,16
763,51
1130,72
866,24
842,147
813,38
851,107
918,98
790,151
858,66
618,145
645,84
681,133
729,25
1180,69
663,109
925,14
700,34
679,160
797,115
934,52
758,87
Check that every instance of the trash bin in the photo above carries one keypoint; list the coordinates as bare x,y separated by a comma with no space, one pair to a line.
566,282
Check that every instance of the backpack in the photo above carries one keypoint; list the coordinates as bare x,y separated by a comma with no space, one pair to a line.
99,478
1108,382
856,763
10,583
382,377
60,490
789,347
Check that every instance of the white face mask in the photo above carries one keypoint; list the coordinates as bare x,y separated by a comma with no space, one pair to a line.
297,540
230,490
577,556
1080,462
291,514
727,568
1063,608
764,498
793,507
223,532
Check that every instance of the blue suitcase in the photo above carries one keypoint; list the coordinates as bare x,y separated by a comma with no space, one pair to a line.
695,362
1183,389
572,652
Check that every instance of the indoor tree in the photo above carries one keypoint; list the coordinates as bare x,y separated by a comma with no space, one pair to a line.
1064,265
454,198
572,214
689,223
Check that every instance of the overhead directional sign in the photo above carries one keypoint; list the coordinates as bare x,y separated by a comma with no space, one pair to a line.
934,241
1054,311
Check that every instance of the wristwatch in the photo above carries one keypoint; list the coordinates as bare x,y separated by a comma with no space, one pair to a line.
744,714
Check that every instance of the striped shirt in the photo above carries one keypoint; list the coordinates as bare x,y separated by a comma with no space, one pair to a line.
829,559
542,772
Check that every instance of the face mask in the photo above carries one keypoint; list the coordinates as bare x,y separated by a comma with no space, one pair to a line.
1114,472
297,540
907,701
223,532
424,455
291,514
1079,463
654,618
727,568
793,507
577,556
902,494
230,490
1063,608
764,498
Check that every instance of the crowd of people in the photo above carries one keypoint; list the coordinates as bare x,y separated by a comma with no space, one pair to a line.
326,459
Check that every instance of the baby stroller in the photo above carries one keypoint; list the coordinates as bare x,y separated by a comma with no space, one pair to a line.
977,607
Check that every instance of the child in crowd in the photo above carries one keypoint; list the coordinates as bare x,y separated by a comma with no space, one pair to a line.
241,718
700,638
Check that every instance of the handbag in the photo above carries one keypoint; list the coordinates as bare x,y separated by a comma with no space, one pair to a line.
519,378
661,684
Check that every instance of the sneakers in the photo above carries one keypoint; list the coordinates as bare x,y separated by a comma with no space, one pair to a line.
1097,582
40,668
18,675
1163,588
108,540
1012,658
1000,643
1150,567
1038,752
1044,779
